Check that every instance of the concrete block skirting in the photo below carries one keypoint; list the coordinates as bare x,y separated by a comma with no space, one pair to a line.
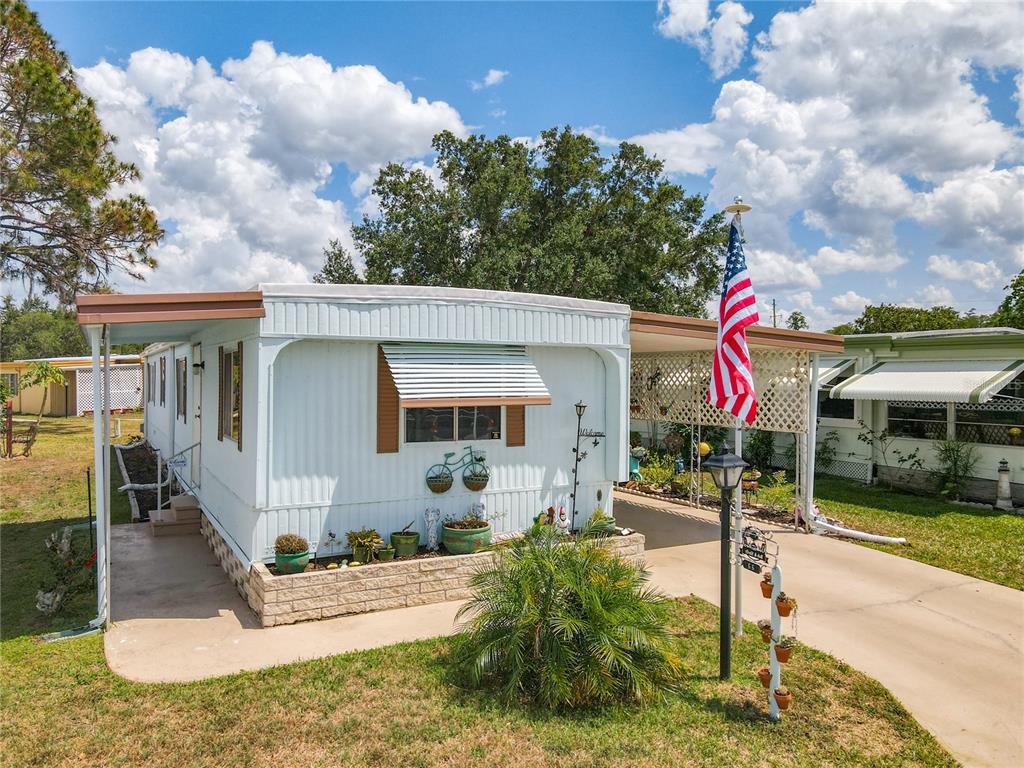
236,570
325,594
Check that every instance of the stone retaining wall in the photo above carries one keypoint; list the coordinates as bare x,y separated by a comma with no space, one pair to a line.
233,567
324,594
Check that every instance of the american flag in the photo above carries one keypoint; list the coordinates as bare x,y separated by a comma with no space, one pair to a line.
732,380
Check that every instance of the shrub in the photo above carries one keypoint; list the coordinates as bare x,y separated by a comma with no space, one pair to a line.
566,625
71,572
759,450
366,538
658,471
290,544
956,461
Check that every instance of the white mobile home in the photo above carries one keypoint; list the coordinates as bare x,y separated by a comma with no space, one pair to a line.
324,415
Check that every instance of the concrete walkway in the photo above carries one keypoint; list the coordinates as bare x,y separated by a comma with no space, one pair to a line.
177,618
950,647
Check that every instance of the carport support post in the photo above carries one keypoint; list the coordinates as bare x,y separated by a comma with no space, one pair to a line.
724,609
95,333
812,443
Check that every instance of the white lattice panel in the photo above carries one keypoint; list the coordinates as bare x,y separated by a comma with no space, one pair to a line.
125,388
673,387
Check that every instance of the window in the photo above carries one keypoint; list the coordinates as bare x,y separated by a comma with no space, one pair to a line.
835,409
480,422
11,380
434,425
1000,421
151,382
230,396
163,380
180,387
924,421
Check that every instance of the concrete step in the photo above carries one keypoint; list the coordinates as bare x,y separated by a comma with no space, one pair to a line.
163,523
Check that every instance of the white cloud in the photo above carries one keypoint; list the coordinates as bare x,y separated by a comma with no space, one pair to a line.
772,269
721,40
932,295
829,261
985,275
235,175
492,78
863,115
851,301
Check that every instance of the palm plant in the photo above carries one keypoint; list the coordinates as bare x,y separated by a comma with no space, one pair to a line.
566,625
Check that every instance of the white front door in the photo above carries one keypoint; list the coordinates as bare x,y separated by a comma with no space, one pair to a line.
197,406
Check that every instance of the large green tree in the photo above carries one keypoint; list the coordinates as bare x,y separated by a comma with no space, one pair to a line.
1010,313
35,330
556,218
62,228
890,318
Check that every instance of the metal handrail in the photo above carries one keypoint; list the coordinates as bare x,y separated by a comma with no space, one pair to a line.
159,475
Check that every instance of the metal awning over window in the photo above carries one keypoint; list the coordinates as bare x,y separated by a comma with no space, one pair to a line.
432,375
829,368
943,381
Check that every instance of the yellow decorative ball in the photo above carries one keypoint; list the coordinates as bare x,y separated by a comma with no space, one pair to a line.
704,449
331,566
1014,431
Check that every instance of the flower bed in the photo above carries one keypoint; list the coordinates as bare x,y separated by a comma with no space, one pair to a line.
322,594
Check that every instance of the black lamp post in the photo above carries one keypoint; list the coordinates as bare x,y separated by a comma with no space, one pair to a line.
726,470
581,407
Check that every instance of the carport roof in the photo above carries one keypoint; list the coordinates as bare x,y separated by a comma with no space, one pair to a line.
654,332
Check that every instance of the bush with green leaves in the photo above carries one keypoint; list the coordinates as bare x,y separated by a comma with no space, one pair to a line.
658,470
290,544
759,450
956,461
567,625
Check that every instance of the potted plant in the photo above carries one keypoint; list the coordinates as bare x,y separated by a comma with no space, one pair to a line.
766,630
783,697
766,584
782,649
291,553
364,544
405,542
385,553
467,534
439,482
765,676
785,604
601,523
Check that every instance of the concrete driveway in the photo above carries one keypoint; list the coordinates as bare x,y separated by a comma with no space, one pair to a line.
950,647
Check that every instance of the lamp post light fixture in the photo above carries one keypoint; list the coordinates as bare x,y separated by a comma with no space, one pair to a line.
726,470
578,456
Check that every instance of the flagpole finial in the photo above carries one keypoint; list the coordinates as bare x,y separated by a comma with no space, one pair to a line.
738,206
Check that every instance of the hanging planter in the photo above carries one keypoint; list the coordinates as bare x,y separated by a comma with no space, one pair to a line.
475,477
766,585
635,408
785,604
783,697
766,630
765,676
439,481
783,649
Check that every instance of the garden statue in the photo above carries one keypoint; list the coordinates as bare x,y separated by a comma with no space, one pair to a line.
431,516
562,523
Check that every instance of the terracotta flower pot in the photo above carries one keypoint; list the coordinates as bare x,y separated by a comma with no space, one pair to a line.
785,607
766,589
782,654
765,676
783,700
766,634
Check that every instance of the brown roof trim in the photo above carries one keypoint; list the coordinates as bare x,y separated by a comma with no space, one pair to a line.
98,309
699,328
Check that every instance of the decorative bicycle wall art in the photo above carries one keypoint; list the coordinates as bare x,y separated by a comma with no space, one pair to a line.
475,474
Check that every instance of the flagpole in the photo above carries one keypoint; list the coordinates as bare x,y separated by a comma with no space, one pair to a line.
738,208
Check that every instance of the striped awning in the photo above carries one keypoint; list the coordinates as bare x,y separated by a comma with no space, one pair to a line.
831,367
942,381
433,375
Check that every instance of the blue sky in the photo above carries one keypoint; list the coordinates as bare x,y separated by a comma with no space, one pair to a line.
880,144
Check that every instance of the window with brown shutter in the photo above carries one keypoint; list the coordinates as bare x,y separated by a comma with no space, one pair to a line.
515,425
387,407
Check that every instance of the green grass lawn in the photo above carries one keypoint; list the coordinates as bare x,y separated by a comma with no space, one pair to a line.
397,706
984,543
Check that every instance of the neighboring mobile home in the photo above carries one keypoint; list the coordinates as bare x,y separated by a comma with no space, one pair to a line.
75,396
925,387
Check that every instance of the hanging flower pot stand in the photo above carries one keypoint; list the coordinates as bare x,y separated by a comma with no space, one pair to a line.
785,604
439,478
475,477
